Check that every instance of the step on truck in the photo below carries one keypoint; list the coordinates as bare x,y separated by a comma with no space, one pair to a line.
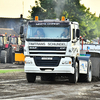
52,48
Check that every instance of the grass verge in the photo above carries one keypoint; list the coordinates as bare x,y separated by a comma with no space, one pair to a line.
11,70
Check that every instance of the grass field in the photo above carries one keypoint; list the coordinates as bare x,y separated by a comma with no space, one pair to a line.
11,70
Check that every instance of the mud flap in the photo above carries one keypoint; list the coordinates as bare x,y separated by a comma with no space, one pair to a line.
85,69
83,64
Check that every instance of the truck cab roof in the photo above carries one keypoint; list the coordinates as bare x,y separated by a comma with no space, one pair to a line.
52,21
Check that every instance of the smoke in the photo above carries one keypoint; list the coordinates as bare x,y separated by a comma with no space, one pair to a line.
59,6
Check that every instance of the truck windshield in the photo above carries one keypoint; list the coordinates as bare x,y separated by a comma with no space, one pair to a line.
48,32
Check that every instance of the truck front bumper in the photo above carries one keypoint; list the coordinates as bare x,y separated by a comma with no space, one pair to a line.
63,67
59,69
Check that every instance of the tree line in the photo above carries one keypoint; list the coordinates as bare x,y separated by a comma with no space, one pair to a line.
71,9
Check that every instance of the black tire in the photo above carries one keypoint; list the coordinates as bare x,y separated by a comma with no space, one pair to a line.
73,78
8,54
87,77
48,78
30,77
11,55
0,57
3,56
89,74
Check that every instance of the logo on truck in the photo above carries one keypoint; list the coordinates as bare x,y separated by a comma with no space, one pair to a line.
60,44
48,44
37,43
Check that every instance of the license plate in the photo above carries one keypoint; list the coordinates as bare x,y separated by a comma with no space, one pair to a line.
46,58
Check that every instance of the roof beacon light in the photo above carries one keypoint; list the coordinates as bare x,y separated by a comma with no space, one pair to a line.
36,18
62,18
5,33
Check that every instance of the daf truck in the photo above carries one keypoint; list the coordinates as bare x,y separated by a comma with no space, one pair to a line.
51,53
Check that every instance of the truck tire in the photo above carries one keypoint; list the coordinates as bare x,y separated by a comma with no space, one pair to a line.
11,55
30,77
3,56
73,78
0,57
48,78
8,54
87,77
89,74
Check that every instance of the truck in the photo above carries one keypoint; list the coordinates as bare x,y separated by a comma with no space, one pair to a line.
17,48
53,54
5,49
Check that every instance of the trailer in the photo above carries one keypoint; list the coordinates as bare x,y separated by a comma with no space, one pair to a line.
94,51
52,48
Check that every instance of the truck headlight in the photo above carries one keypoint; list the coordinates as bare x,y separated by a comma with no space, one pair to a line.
66,62
28,62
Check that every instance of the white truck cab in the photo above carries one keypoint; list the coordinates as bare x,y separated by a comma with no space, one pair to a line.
52,47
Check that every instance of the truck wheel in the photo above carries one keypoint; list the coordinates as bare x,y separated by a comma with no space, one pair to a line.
73,78
89,74
30,77
3,56
11,56
8,54
87,77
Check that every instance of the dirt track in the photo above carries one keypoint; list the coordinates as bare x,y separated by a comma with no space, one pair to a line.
11,66
14,86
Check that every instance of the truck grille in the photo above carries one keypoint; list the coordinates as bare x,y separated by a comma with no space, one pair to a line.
47,53
54,62
48,48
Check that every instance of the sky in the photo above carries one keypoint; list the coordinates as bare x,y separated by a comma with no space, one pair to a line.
13,8
94,5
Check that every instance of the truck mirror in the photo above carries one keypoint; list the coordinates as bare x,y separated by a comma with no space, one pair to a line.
77,33
21,36
21,30
73,33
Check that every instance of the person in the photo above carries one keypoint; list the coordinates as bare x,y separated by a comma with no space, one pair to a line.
65,33
39,33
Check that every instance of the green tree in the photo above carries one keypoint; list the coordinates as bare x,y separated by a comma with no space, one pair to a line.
98,26
71,9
